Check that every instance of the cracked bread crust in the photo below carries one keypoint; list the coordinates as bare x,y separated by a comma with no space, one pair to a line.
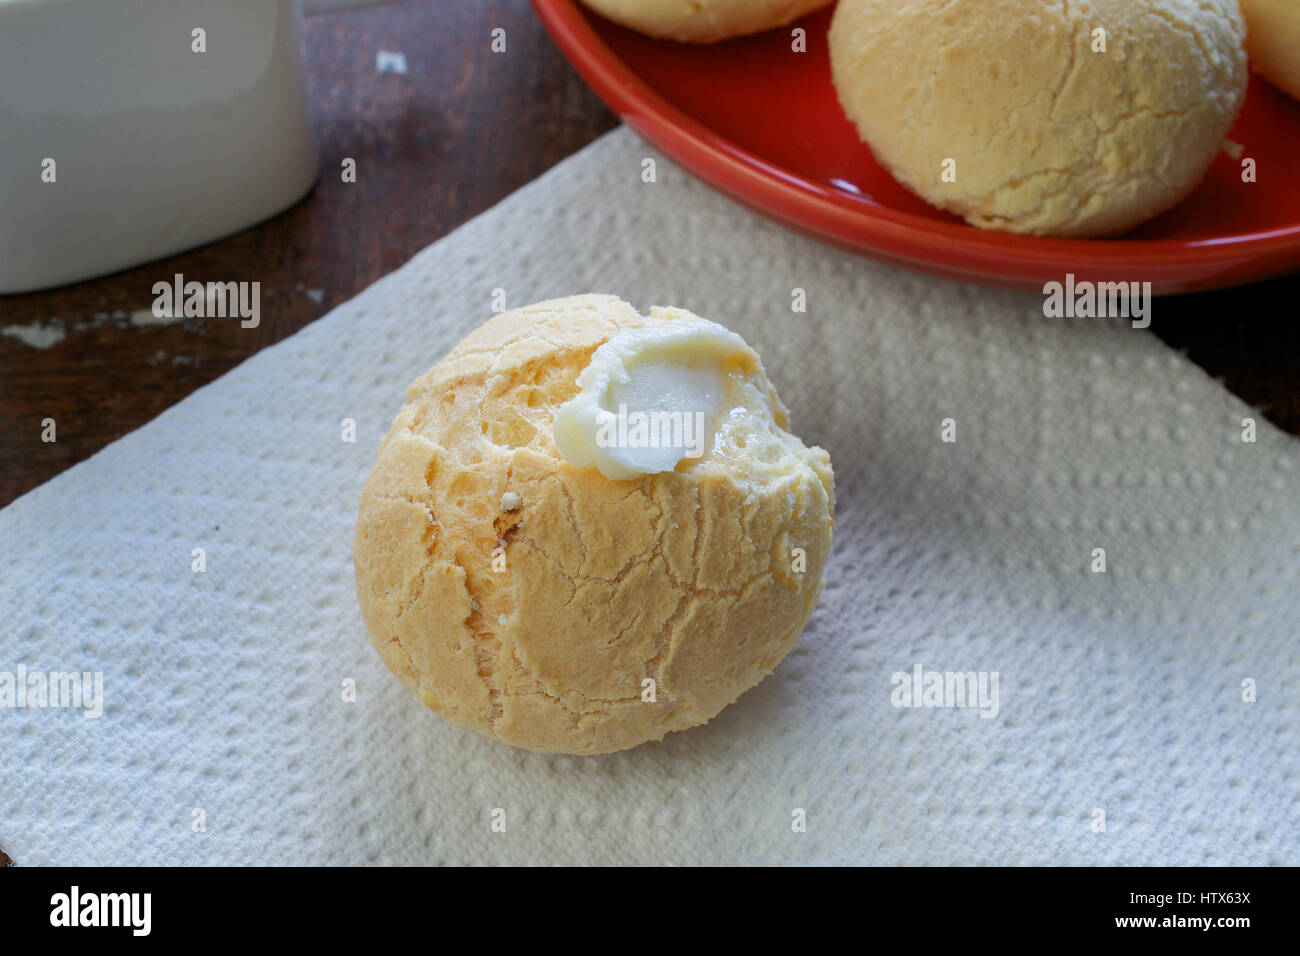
703,21
1048,136
684,577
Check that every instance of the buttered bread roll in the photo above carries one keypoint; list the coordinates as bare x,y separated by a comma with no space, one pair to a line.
589,527
1273,41
703,21
1061,119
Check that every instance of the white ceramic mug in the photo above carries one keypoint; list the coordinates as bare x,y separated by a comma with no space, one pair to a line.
122,142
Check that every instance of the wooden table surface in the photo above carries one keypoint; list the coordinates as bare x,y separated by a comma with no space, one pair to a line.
459,131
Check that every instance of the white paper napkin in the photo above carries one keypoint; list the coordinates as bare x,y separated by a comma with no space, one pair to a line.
225,737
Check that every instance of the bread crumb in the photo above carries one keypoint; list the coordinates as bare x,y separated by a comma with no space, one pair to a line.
510,501
39,335
144,317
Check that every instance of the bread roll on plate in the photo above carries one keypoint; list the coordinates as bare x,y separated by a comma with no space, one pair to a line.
703,21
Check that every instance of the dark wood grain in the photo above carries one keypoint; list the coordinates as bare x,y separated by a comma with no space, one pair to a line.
434,147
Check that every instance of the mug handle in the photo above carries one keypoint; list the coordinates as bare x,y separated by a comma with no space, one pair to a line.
331,6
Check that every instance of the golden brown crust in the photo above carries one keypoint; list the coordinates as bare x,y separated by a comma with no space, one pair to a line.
1046,134
538,625
1273,41
703,21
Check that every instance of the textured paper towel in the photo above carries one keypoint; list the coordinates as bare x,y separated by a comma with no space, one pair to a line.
1120,692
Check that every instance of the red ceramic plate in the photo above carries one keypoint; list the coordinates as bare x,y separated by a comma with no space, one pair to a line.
763,125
